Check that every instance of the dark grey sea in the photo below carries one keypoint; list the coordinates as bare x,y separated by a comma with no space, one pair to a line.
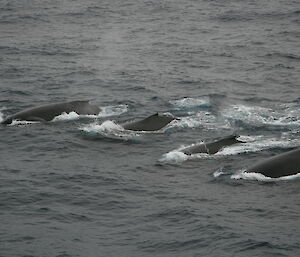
81,186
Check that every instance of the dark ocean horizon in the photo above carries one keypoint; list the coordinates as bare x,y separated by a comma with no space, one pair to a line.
82,186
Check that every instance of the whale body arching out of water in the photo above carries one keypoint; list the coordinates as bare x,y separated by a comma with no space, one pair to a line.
280,165
49,112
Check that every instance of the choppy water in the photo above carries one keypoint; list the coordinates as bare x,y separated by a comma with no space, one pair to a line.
82,186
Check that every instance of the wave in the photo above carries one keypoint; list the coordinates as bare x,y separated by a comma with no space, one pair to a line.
260,116
234,17
9,49
289,56
186,122
22,122
256,144
177,157
249,15
109,129
200,119
194,113
25,18
106,111
113,110
1,114
242,174
261,177
69,116
187,103
174,157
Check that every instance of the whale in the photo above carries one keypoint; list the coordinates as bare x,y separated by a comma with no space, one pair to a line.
49,112
284,164
151,123
212,147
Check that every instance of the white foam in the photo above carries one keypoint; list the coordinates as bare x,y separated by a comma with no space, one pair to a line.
174,157
191,102
202,118
1,114
256,115
218,173
286,121
253,114
186,122
67,116
291,112
106,126
22,122
261,177
113,110
168,114
256,144
109,129
248,138
106,111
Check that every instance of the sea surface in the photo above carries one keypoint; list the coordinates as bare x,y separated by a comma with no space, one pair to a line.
83,186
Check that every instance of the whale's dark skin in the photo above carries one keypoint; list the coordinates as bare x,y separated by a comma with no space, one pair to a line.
213,147
280,165
151,123
49,112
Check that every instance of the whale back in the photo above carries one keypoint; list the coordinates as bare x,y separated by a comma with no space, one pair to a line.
284,164
50,111
213,147
151,123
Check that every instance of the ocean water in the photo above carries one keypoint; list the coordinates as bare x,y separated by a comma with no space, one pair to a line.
84,186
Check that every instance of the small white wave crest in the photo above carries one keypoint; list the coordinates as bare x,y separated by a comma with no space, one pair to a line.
109,125
200,119
22,122
218,173
113,110
261,177
106,111
257,116
67,116
104,127
174,157
188,102
1,114
108,129
256,144
186,122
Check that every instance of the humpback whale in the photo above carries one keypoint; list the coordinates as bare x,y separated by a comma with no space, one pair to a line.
151,123
49,112
280,165
213,147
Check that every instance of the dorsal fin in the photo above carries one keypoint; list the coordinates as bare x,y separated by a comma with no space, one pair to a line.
152,116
